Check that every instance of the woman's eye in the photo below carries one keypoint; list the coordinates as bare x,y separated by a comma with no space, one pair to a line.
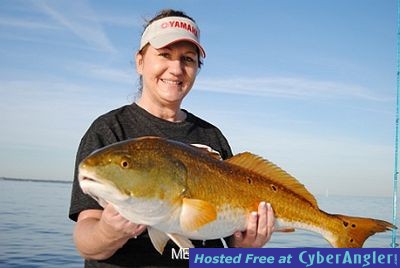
164,55
188,59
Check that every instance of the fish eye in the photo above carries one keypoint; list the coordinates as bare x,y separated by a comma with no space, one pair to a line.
124,163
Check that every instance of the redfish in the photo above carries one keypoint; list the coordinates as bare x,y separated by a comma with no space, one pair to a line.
182,192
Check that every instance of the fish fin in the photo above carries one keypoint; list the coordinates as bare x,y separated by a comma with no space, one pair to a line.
181,241
158,238
273,173
355,230
196,213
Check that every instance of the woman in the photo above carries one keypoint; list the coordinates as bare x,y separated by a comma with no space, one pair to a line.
168,62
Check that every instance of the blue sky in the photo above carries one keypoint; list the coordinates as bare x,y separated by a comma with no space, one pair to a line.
309,85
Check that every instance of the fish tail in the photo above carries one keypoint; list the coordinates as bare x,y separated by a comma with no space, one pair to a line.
353,231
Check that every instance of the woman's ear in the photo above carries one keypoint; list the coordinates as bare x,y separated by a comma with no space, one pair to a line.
139,63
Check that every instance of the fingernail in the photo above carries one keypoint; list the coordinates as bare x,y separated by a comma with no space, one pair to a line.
254,214
263,204
269,205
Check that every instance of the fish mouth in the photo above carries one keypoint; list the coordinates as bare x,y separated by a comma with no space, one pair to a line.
90,184
85,177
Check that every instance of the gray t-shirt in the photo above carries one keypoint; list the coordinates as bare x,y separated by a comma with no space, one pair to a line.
131,121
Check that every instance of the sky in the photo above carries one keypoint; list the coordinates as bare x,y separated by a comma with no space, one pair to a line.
309,85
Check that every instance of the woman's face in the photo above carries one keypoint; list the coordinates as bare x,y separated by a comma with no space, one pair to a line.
168,73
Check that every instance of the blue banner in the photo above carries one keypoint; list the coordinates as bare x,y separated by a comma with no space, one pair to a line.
294,257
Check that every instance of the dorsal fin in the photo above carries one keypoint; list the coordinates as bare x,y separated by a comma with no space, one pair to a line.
271,172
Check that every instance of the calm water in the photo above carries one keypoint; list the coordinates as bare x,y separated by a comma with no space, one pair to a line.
34,227
35,230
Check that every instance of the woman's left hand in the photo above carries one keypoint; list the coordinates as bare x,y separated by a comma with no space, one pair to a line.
260,226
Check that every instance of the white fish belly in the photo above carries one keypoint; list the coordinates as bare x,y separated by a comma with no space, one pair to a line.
228,221
146,211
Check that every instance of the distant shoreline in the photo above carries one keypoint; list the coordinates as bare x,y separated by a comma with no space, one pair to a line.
34,180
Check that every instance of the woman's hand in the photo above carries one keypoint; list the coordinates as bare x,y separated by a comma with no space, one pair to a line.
99,233
260,226
116,227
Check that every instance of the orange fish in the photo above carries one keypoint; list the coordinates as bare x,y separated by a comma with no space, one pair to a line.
182,192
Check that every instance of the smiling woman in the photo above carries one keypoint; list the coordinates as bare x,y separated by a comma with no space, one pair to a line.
170,55
168,61
170,74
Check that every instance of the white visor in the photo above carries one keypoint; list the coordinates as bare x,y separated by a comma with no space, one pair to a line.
168,30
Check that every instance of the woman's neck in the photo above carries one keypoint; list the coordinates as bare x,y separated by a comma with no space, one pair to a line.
170,113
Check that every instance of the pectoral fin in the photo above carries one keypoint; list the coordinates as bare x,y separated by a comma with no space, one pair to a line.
158,238
196,213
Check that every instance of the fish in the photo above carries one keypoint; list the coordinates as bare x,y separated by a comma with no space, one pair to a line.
182,192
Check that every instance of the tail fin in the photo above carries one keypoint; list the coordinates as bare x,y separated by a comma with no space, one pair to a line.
354,231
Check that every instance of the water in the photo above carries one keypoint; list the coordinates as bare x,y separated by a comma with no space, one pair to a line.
34,227
35,230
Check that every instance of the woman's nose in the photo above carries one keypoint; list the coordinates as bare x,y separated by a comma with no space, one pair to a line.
176,67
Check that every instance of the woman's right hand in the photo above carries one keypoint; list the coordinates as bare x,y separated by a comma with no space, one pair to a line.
99,233
115,226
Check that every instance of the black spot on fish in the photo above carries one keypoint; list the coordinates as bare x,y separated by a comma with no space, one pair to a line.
345,223
249,181
351,240
274,188
353,225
